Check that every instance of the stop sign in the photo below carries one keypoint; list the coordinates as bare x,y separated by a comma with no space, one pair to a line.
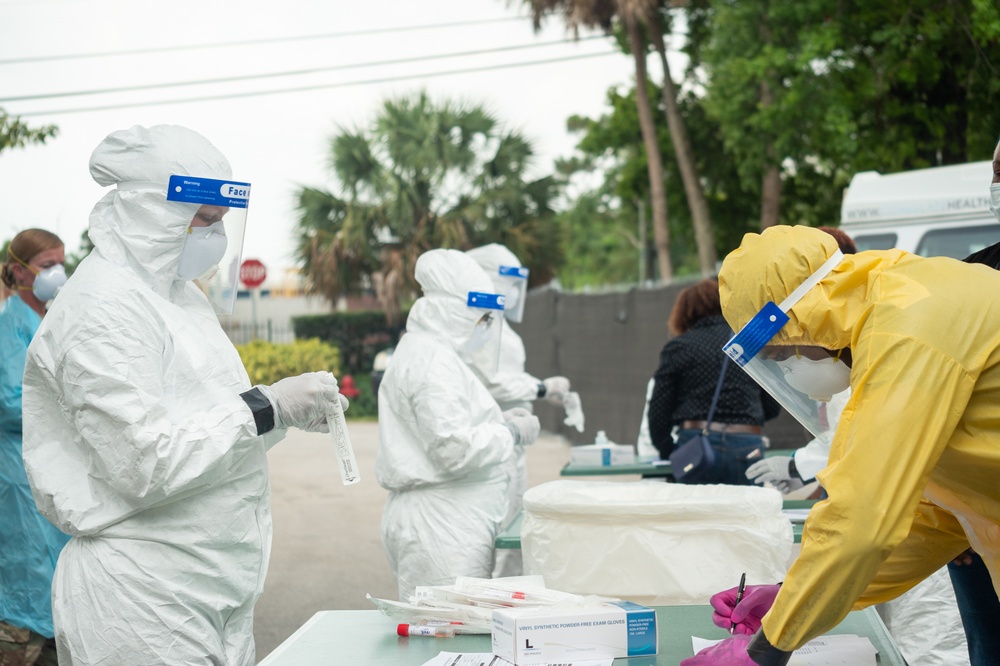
252,273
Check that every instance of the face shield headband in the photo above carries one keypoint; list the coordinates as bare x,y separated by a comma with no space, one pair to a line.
802,379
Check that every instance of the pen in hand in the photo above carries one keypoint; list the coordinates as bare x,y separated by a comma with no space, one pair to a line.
739,597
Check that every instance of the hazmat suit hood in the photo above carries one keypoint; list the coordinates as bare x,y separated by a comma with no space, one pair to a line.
447,277
767,267
490,258
134,225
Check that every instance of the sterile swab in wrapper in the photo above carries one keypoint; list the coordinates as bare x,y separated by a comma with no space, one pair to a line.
342,444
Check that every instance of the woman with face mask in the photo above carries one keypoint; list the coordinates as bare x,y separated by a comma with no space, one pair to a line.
33,271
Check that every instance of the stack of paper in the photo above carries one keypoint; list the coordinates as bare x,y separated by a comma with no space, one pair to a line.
832,650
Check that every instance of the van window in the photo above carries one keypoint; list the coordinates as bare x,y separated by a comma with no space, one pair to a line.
958,243
875,242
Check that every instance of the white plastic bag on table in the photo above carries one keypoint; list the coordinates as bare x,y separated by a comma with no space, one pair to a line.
653,543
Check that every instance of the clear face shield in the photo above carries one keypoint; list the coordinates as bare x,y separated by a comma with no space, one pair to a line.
515,286
482,347
213,244
801,378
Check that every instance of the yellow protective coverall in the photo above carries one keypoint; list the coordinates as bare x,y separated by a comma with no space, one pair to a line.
915,462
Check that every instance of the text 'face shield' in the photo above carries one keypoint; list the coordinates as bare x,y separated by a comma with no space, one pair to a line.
213,247
801,378
482,347
515,281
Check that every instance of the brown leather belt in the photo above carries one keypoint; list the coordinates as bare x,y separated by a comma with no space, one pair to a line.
722,427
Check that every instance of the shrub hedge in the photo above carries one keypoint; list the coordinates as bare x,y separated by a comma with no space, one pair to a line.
359,335
267,362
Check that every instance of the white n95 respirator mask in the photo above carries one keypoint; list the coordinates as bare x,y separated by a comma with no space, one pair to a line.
995,200
819,379
48,282
204,248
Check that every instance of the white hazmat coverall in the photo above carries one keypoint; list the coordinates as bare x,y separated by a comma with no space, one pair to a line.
443,448
511,387
137,442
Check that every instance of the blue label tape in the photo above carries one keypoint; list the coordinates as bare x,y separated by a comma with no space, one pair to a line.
207,191
478,299
514,271
756,334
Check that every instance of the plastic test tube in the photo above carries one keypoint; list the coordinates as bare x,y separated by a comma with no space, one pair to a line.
439,631
342,445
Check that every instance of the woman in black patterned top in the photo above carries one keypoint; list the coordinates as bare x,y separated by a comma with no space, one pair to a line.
690,364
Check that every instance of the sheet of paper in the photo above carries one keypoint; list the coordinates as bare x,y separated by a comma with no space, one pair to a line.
487,659
832,650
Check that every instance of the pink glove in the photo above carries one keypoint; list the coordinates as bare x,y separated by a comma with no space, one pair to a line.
730,652
757,600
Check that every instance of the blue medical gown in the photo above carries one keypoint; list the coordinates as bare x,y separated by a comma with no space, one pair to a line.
31,544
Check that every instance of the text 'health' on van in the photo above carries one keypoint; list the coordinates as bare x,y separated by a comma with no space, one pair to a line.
941,211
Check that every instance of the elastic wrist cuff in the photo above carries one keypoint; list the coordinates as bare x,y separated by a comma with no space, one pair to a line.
541,390
762,652
263,410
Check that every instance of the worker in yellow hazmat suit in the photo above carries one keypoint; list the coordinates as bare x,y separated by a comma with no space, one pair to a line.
912,475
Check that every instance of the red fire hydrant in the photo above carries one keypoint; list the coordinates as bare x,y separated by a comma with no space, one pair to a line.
347,387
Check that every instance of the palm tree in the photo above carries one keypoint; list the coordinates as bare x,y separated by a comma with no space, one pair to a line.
649,12
423,175
600,14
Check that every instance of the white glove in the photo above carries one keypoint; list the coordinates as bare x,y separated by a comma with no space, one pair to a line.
304,401
556,389
524,429
322,424
775,470
515,412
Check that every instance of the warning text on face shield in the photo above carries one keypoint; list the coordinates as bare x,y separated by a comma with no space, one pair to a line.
231,194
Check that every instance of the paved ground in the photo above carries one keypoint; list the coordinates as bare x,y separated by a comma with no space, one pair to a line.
327,553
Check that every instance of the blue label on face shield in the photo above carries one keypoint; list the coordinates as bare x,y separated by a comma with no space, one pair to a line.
207,191
478,299
514,271
756,334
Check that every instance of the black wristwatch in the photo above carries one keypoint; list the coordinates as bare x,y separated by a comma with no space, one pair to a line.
793,470
541,390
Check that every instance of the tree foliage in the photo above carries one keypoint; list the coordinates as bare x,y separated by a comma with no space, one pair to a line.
423,175
15,133
853,86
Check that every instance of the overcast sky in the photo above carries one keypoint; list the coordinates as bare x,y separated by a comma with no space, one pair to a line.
277,142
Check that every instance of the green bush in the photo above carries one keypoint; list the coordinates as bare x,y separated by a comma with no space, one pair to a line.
365,406
359,335
267,362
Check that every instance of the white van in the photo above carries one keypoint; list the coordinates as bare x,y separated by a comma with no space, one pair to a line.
942,211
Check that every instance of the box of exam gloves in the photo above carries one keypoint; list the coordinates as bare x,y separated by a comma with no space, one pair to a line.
541,635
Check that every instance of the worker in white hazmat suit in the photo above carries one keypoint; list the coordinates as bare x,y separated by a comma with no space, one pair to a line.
507,381
143,438
443,442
